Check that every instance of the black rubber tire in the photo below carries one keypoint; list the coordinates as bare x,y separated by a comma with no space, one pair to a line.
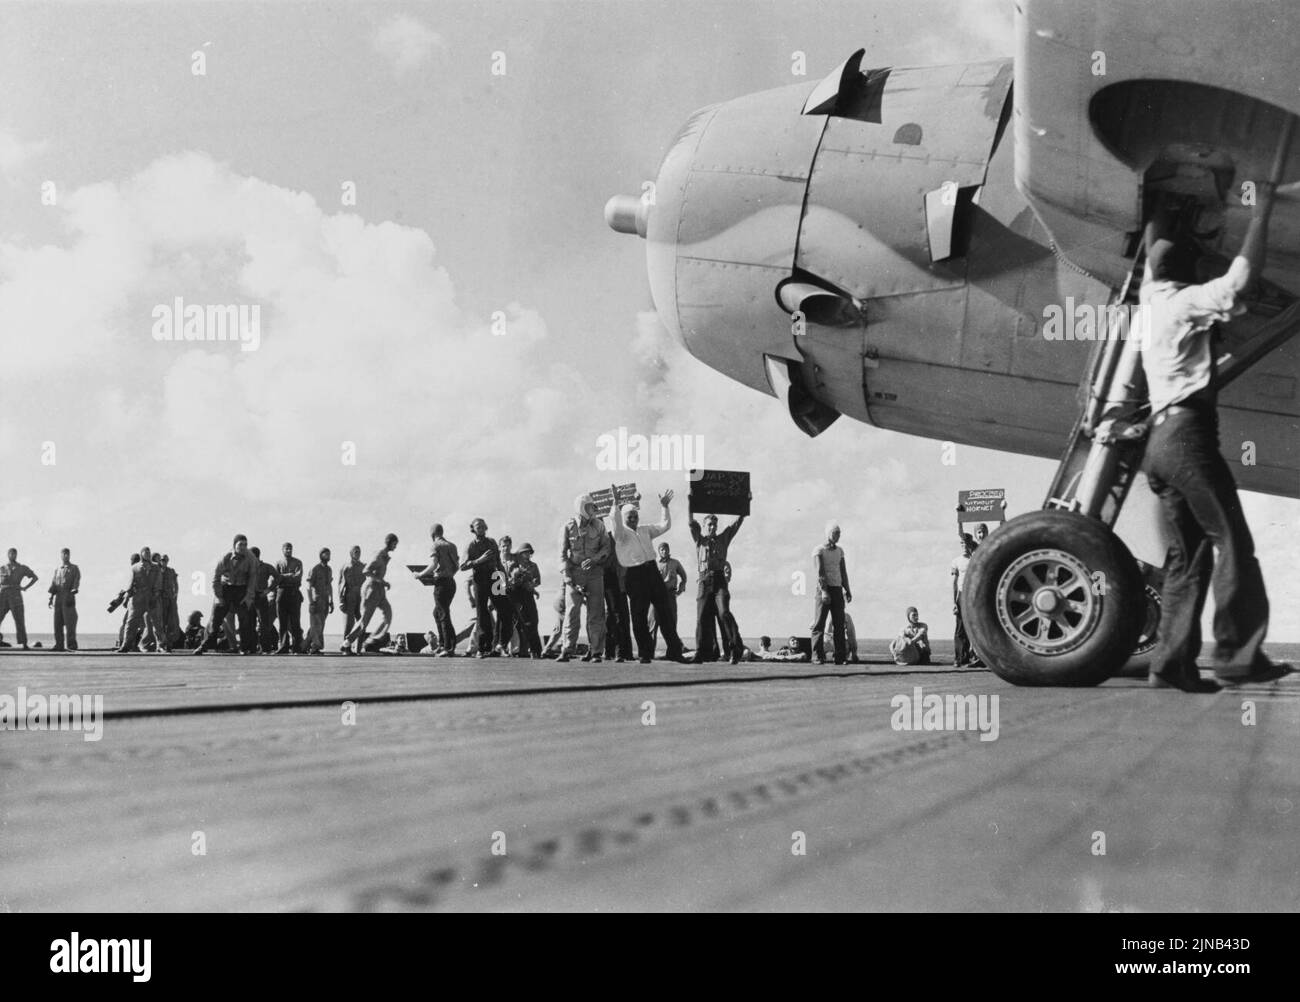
1149,633
1103,648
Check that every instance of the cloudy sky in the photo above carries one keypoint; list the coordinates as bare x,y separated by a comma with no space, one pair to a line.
126,180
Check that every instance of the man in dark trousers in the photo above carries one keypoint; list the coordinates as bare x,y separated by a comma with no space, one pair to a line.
171,589
713,597
158,613
833,591
962,654
673,575
618,615
234,584
264,603
524,577
1186,470
288,604
635,549
483,561
443,561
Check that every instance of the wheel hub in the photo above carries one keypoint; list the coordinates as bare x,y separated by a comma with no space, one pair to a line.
1046,602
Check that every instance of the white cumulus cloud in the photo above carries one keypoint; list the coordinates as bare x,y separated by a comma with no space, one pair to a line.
405,41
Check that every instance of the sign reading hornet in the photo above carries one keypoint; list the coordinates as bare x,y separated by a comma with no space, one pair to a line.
988,505
604,501
720,492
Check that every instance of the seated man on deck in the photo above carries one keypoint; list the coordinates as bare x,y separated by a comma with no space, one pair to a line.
912,645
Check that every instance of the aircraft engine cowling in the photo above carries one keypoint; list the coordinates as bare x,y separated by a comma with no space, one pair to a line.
801,237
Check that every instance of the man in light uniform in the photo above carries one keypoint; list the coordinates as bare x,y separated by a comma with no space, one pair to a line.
139,603
63,600
351,580
584,550
320,602
374,595
12,575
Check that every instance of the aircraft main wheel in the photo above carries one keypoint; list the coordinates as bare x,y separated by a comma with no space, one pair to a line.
1053,598
1149,635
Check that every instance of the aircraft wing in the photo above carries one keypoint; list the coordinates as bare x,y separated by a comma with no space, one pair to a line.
1199,89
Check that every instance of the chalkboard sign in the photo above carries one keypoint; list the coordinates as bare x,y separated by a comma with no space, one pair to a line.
721,492
627,494
989,505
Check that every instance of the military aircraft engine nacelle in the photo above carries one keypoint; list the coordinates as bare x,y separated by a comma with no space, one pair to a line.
858,247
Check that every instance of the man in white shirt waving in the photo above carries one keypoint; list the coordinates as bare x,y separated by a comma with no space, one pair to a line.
634,545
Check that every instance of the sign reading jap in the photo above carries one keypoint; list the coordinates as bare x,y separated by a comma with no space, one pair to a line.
721,492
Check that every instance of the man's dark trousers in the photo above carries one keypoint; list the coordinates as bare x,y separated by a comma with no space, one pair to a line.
1202,512
289,609
961,650
712,603
231,597
265,623
618,625
646,589
829,600
444,590
524,606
